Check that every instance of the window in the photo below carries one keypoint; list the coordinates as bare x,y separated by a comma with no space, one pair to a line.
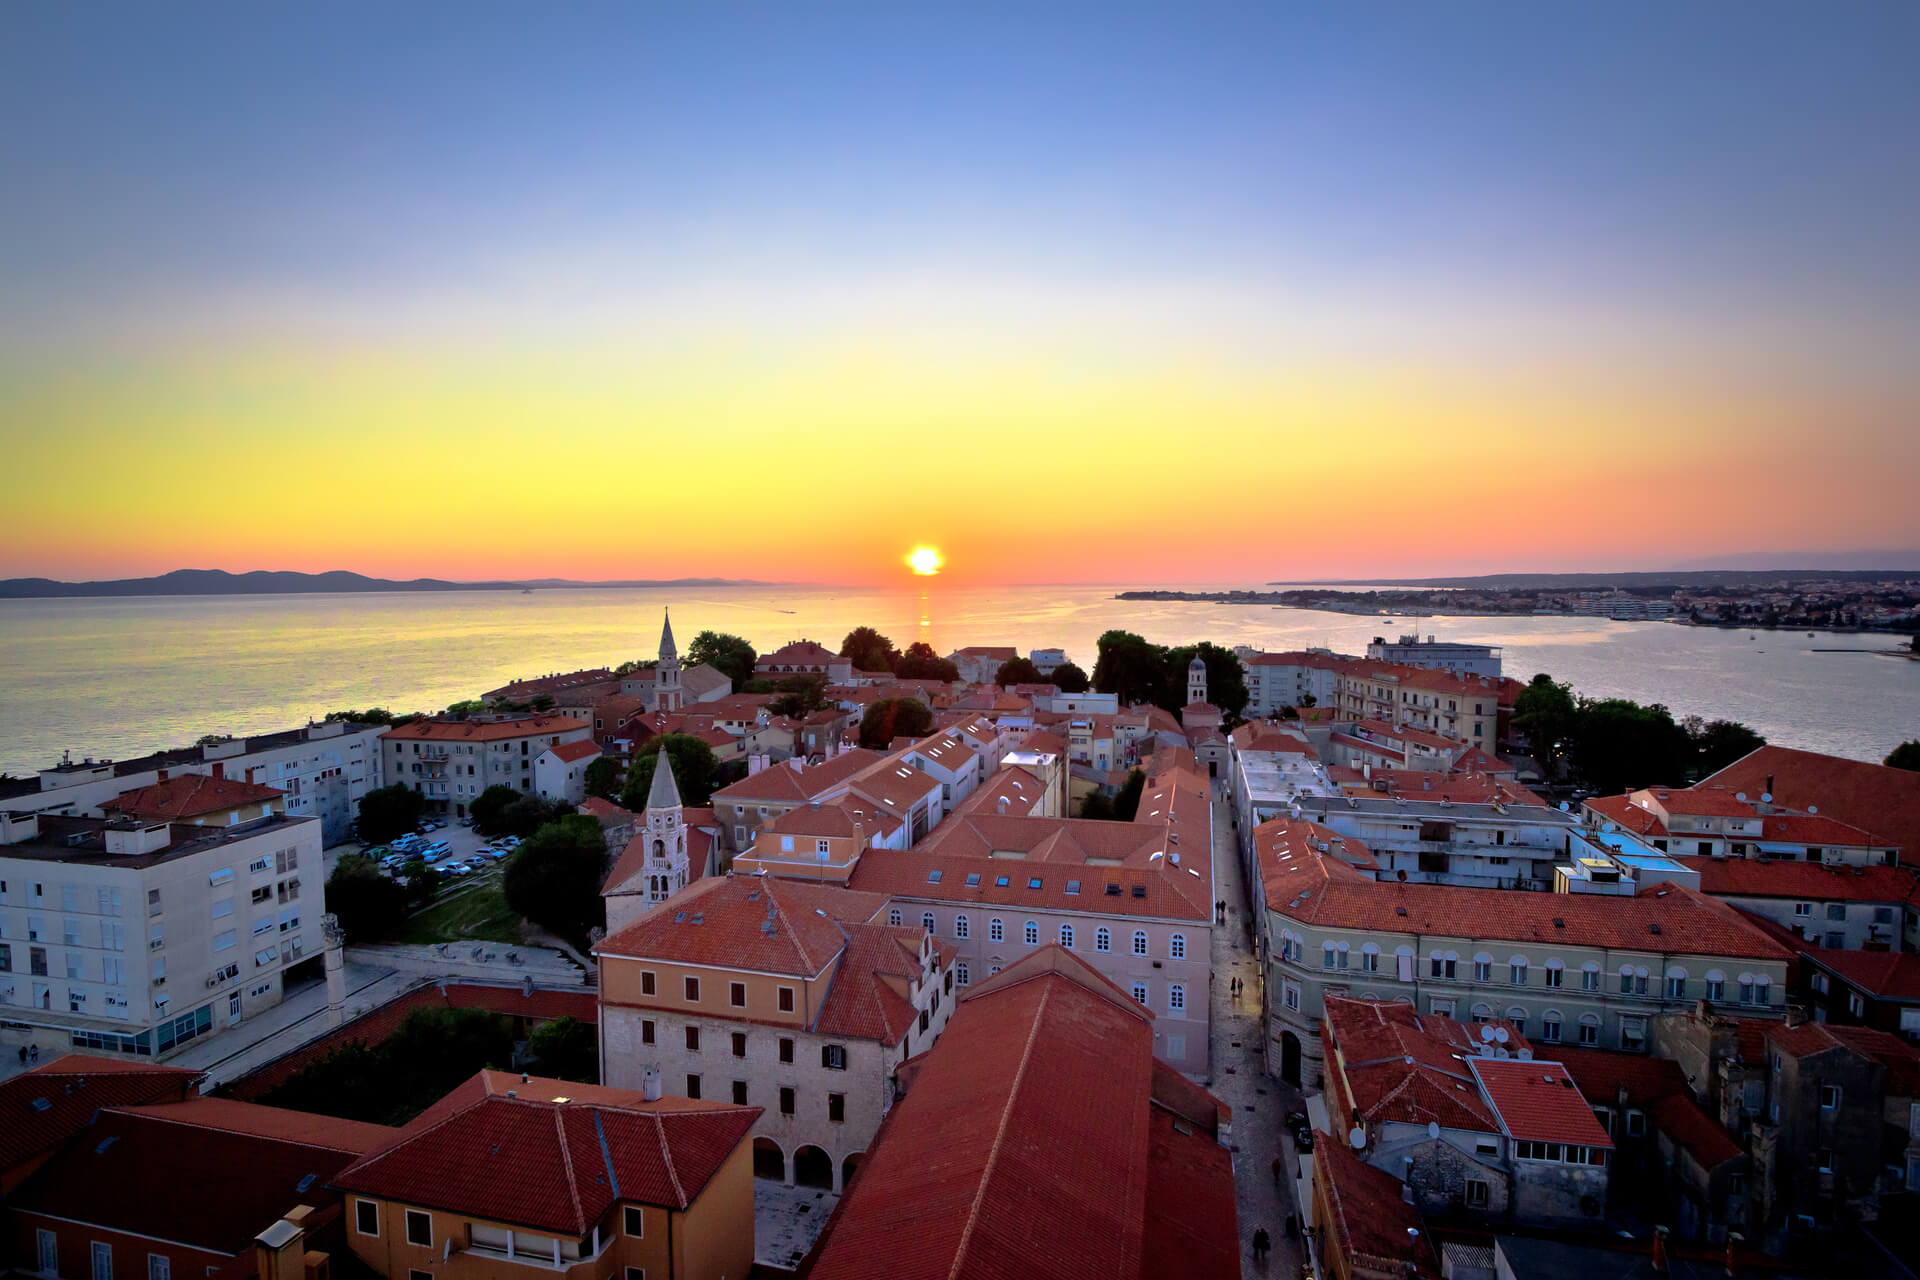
786,999
1633,1034
1140,942
1517,973
1290,996
1370,961
893,916
1326,956
1676,986
1829,1097
1477,1194
1836,911
223,941
646,982
419,1228
786,1049
1140,992
739,1093
926,921
1103,940
159,1267
739,1044
693,1087
1066,936
636,1273
786,1100
1483,971
103,1257
1589,1029
1803,910
1716,988
1032,933
1856,1004
737,994
833,1057
1823,1162
837,1108
1589,979
692,989
634,1221
1177,947
693,1039
996,931
646,1031
960,974
366,1217
1554,975
960,926
1636,1124
1442,966
1176,998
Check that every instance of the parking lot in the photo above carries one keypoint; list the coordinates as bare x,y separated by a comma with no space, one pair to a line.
462,844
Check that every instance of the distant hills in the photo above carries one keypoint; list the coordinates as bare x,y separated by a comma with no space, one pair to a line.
1658,578
261,582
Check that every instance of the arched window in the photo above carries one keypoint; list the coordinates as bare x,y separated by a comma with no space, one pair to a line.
1033,934
926,921
1327,952
1066,936
1517,970
1140,942
1482,1013
996,932
1556,973
960,974
1589,1029
1518,1017
1676,983
893,915
1177,946
1483,967
961,927
1370,959
1716,985
1176,998
1550,1027
1103,939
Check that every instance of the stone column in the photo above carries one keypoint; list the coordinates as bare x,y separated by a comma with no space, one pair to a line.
334,942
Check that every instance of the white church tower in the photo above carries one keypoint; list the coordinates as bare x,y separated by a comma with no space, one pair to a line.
1196,681
665,834
667,693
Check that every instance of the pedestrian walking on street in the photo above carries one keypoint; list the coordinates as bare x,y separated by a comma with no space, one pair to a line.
1278,1169
1261,1243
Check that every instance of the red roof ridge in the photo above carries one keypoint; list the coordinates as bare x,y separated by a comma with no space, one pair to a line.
566,1156
666,1157
1000,1132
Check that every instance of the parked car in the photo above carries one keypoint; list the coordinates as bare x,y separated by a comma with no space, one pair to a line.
1303,1138
455,869
505,842
466,821
437,850
378,852
407,841
394,861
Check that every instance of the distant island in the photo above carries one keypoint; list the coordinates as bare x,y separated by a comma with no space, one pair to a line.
1608,581
262,582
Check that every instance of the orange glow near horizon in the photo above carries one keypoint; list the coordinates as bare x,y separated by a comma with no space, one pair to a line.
925,561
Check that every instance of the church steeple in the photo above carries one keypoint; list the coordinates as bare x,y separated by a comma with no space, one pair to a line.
665,792
667,651
665,832
667,694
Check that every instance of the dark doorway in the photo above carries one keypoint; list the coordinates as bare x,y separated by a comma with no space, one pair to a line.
813,1167
1290,1057
768,1160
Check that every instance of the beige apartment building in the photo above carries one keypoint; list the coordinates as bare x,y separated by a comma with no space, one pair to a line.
130,937
778,994
1564,968
1462,707
450,762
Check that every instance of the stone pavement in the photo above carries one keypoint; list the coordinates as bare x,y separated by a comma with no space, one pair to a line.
786,1221
1260,1103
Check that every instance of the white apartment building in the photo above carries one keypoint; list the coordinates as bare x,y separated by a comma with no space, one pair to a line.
324,769
134,938
1488,846
450,762
1443,655
1276,680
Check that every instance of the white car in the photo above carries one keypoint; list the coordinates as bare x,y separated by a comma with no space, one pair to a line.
455,869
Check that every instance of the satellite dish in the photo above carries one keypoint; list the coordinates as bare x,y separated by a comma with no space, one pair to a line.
1766,797
1357,1139
1565,807
1741,796
1486,1033
1605,827
1813,808
1433,1128
1500,1034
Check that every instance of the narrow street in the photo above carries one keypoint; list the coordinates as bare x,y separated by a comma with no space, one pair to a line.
1239,1073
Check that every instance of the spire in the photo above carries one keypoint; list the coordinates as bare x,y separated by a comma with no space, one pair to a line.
664,793
667,651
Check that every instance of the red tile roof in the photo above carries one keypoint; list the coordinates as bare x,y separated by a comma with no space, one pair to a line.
1752,878
190,795
1028,1143
861,1003
1021,788
1375,1228
1602,1073
1818,829
1900,1059
554,1165
483,730
211,1188
1884,975
784,784
1870,796
1303,885
718,922
569,752
229,1115
1396,1065
1694,1131
606,810
72,1088
1538,1102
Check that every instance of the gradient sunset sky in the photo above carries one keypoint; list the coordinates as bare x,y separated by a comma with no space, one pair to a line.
1074,293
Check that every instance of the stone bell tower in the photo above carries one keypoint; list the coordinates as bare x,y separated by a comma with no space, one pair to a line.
664,829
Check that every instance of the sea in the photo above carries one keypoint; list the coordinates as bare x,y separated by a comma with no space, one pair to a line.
114,678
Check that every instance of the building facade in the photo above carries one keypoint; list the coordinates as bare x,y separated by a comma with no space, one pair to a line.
451,762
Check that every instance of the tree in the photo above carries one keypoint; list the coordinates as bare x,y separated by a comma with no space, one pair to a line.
488,807
554,878
1127,803
798,696
693,770
1718,743
420,881
386,812
1905,756
566,1049
1308,700
1620,744
1226,679
371,907
394,1081
603,778
869,650
471,707
1129,667
892,718
725,653
1097,806
1069,678
1545,712
1018,671
920,662
372,715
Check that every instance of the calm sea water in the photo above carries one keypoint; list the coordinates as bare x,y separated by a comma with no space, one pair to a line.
121,677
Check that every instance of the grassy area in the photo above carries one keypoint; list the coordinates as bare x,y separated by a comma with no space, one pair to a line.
476,912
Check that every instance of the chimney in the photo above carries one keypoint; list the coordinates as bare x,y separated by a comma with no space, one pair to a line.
280,1251
220,771
1659,1252
649,1087
160,775
1796,1014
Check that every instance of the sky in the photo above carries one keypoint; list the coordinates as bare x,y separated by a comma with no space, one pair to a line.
1075,293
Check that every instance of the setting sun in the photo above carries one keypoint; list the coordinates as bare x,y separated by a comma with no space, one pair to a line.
924,561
